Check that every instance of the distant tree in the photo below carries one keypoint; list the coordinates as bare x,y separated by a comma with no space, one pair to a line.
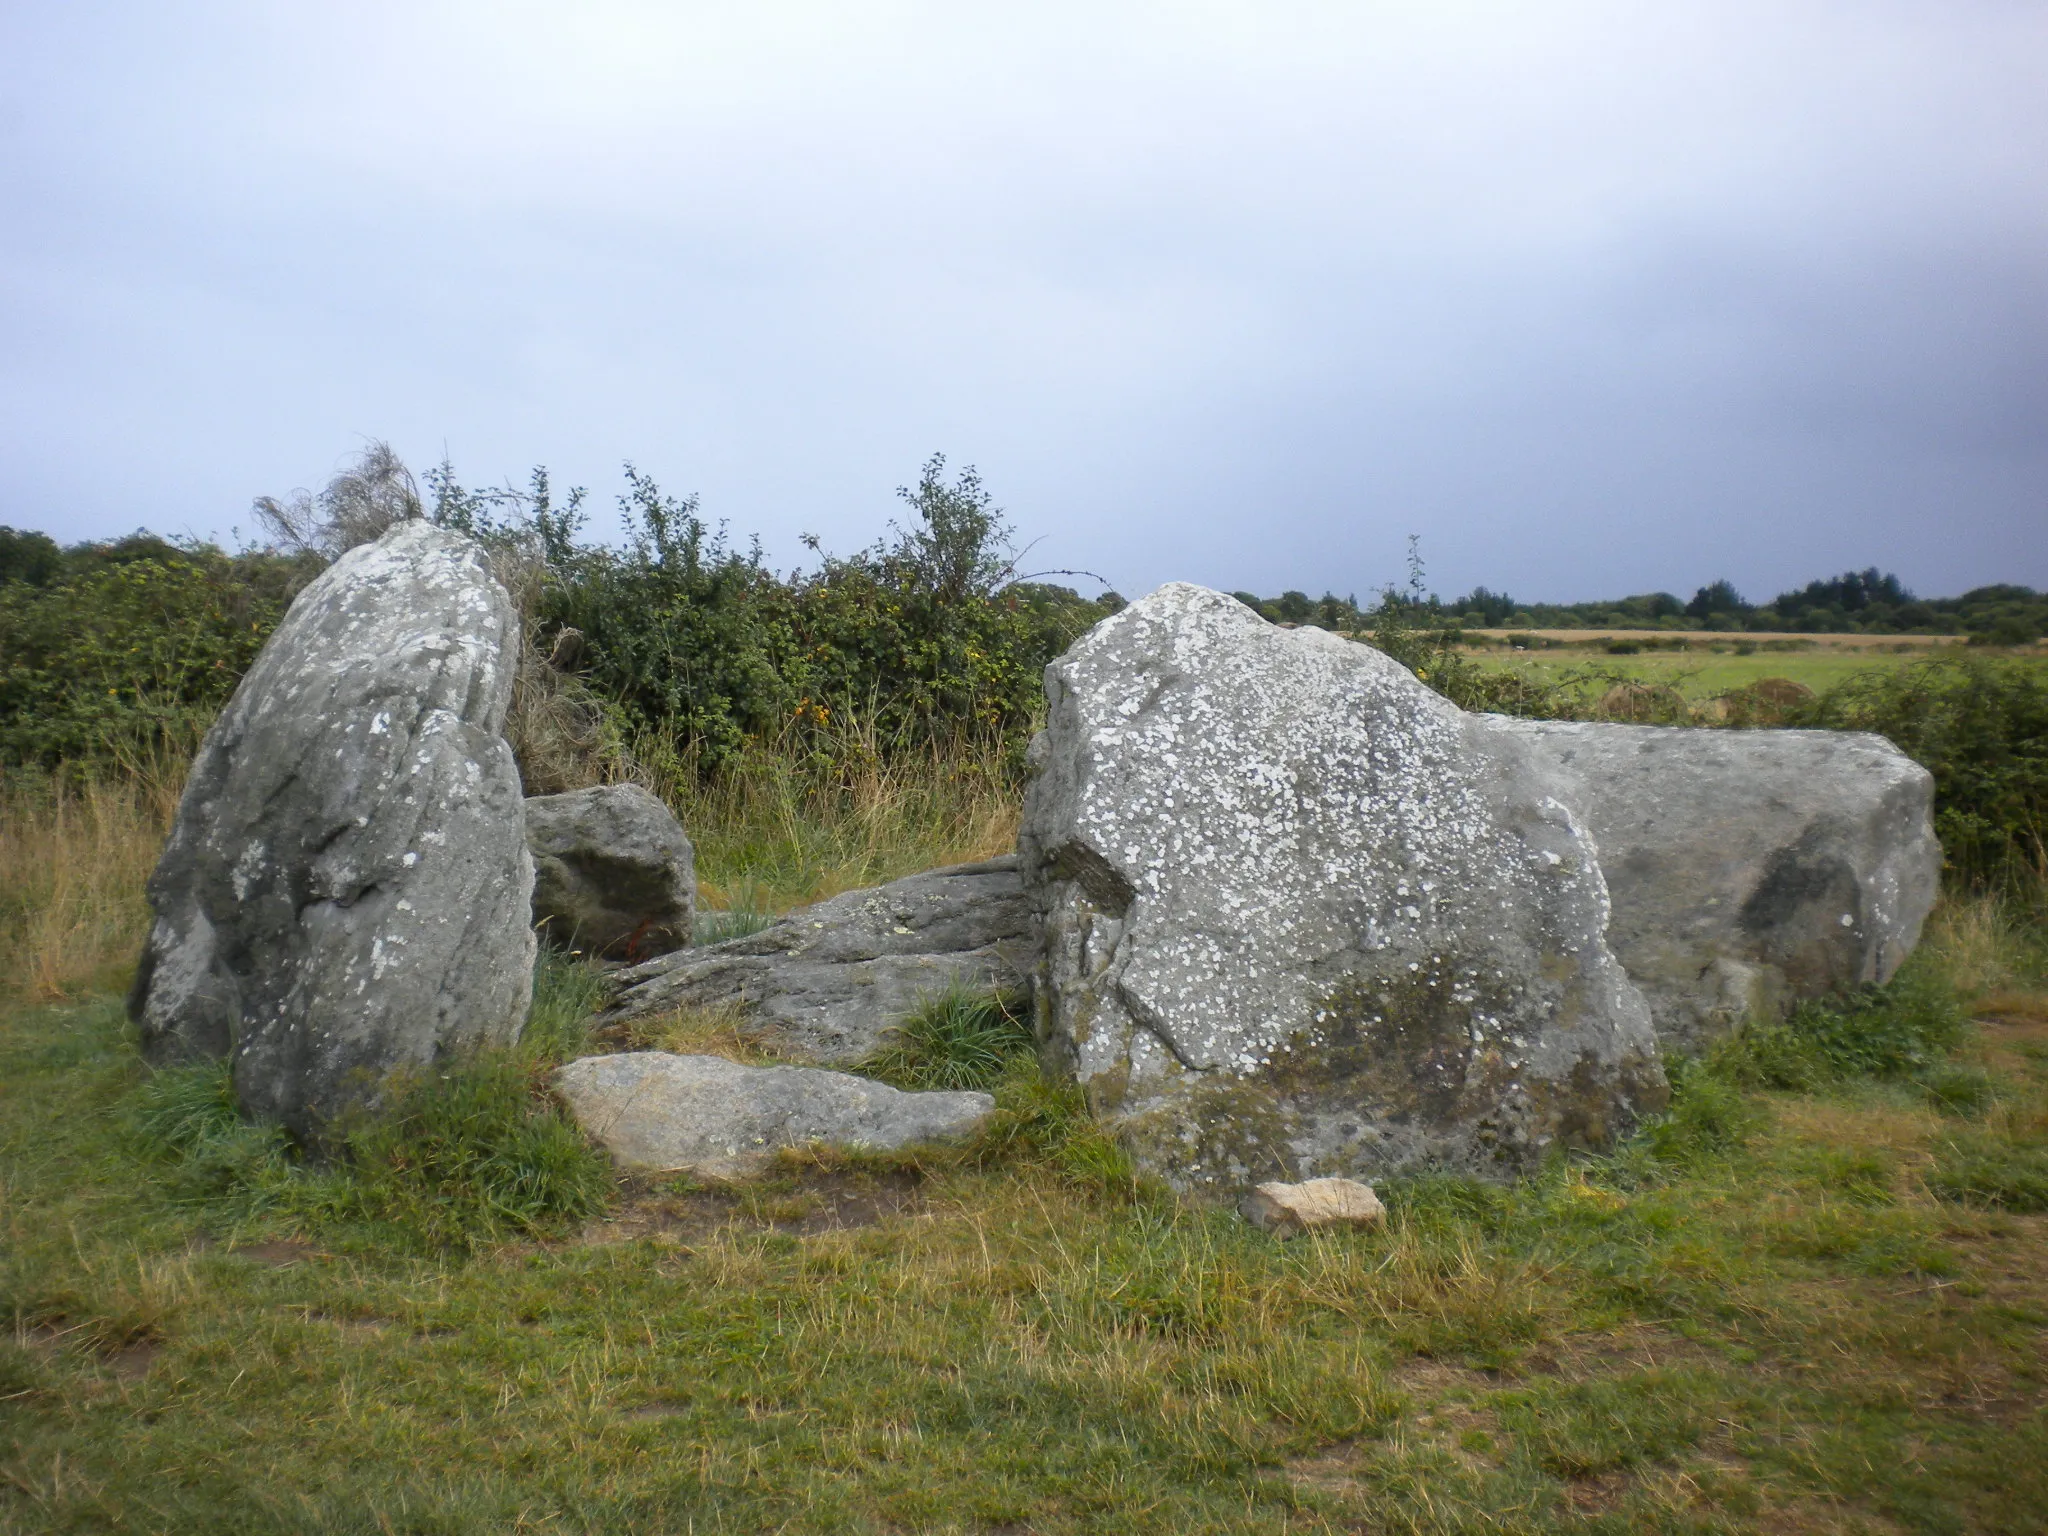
28,556
1851,592
1719,597
1493,608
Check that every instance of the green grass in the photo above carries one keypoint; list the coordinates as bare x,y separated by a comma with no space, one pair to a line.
1820,1308
1699,674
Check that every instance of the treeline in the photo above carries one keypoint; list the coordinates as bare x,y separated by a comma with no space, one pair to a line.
678,634
1856,602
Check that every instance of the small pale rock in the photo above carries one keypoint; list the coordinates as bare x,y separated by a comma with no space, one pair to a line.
828,983
1285,1209
661,1113
613,871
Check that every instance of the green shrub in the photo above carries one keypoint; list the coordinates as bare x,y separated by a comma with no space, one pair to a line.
124,650
1979,724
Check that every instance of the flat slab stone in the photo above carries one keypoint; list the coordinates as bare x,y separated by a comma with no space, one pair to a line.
829,982
662,1113
1306,917
1749,869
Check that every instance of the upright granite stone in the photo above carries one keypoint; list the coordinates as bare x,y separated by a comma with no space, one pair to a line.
1749,869
1306,917
346,889
829,982
613,872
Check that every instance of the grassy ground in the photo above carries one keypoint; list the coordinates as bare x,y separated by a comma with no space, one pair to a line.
1698,674
1820,1307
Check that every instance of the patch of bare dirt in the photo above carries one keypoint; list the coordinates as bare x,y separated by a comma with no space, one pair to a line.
131,1362
278,1253
819,1200
1642,1347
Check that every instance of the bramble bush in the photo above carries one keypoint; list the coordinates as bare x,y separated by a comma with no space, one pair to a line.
123,647
1979,724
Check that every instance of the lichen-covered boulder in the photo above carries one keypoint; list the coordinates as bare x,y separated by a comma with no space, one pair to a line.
1306,917
661,1113
828,983
346,888
1749,869
613,872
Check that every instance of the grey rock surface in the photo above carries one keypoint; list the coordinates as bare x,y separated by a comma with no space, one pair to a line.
829,982
346,888
613,872
1749,869
1306,917
703,1114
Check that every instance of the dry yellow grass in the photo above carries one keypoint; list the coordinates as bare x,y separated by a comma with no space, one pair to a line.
781,827
73,858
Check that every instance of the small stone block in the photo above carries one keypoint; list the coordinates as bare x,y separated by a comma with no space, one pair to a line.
1286,1209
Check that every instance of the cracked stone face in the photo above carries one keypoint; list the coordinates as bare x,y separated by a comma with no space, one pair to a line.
1305,917
346,889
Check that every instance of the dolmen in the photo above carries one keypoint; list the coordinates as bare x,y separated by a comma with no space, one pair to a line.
1285,913
346,890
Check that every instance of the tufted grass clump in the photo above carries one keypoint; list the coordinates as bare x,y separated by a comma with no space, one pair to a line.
452,1158
960,1038
460,1158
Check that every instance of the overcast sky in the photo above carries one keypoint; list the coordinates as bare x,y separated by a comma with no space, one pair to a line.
1596,298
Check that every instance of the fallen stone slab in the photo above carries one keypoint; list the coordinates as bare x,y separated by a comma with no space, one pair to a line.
346,888
1287,1210
1749,869
660,1113
828,983
613,872
1306,917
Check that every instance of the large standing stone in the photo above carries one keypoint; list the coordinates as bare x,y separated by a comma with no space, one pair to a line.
829,982
659,1113
346,889
1749,869
1304,916
613,871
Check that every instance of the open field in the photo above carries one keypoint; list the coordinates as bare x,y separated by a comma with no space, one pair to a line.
1702,639
1702,673
1778,1311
